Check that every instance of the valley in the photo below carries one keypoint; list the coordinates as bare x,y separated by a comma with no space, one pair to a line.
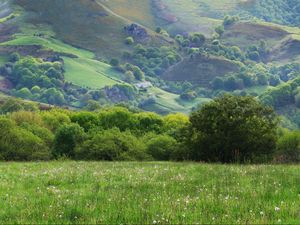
190,51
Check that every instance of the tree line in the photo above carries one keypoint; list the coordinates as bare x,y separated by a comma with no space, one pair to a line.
228,129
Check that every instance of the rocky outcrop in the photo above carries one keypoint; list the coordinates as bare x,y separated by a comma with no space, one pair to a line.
137,32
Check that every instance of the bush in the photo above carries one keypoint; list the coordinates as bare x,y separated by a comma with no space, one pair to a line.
288,147
19,144
112,145
114,62
54,119
129,41
66,139
14,57
161,147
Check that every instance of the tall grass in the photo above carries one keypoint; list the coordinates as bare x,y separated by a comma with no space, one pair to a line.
148,193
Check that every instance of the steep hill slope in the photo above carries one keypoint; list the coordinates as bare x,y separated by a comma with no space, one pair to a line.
200,69
84,23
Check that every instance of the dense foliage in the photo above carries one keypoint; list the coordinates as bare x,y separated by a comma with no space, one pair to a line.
228,129
233,129
278,11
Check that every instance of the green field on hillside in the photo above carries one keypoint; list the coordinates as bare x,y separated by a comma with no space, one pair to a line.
89,73
148,193
134,10
49,43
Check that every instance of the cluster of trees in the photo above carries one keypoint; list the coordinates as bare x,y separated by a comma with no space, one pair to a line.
248,76
255,53
108,134
229,129
153,60
193,40
35,79
278,11
282,95
43,81
257,75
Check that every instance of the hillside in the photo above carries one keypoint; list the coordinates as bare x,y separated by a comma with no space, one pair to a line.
200,69
162,55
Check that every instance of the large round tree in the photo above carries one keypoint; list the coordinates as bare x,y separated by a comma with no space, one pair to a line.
233,129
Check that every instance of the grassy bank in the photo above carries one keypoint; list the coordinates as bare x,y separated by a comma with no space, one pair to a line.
81,192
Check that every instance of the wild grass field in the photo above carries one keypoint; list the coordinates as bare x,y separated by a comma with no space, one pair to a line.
148,193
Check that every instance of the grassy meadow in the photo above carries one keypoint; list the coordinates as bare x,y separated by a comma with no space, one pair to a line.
148,193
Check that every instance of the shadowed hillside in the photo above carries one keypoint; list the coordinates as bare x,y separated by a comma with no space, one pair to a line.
83,23
200,69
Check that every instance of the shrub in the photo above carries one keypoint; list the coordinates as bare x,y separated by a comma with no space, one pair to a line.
129,41
220,30
114,62
86,120
21,117
112,145
54,119
19,144
129,76
66,139
14,57
161,147
288,147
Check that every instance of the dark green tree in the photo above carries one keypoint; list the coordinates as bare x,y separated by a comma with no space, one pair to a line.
66,139
233,129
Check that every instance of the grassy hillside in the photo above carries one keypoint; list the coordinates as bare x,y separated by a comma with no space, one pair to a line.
152,193
89,73
84,23
200,69
68,19
134,10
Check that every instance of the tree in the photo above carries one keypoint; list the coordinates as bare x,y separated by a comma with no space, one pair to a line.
288,147
197,39
19,144
129,40
220,30
138,73
112,145
129,77
217,83
24,93
14,57
161,147
229,20
66,139
233,129
114,62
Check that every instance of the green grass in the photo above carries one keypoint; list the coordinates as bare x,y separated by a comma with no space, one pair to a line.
147,193
167,101
6,18
83,71
135,10
49,43
89,73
